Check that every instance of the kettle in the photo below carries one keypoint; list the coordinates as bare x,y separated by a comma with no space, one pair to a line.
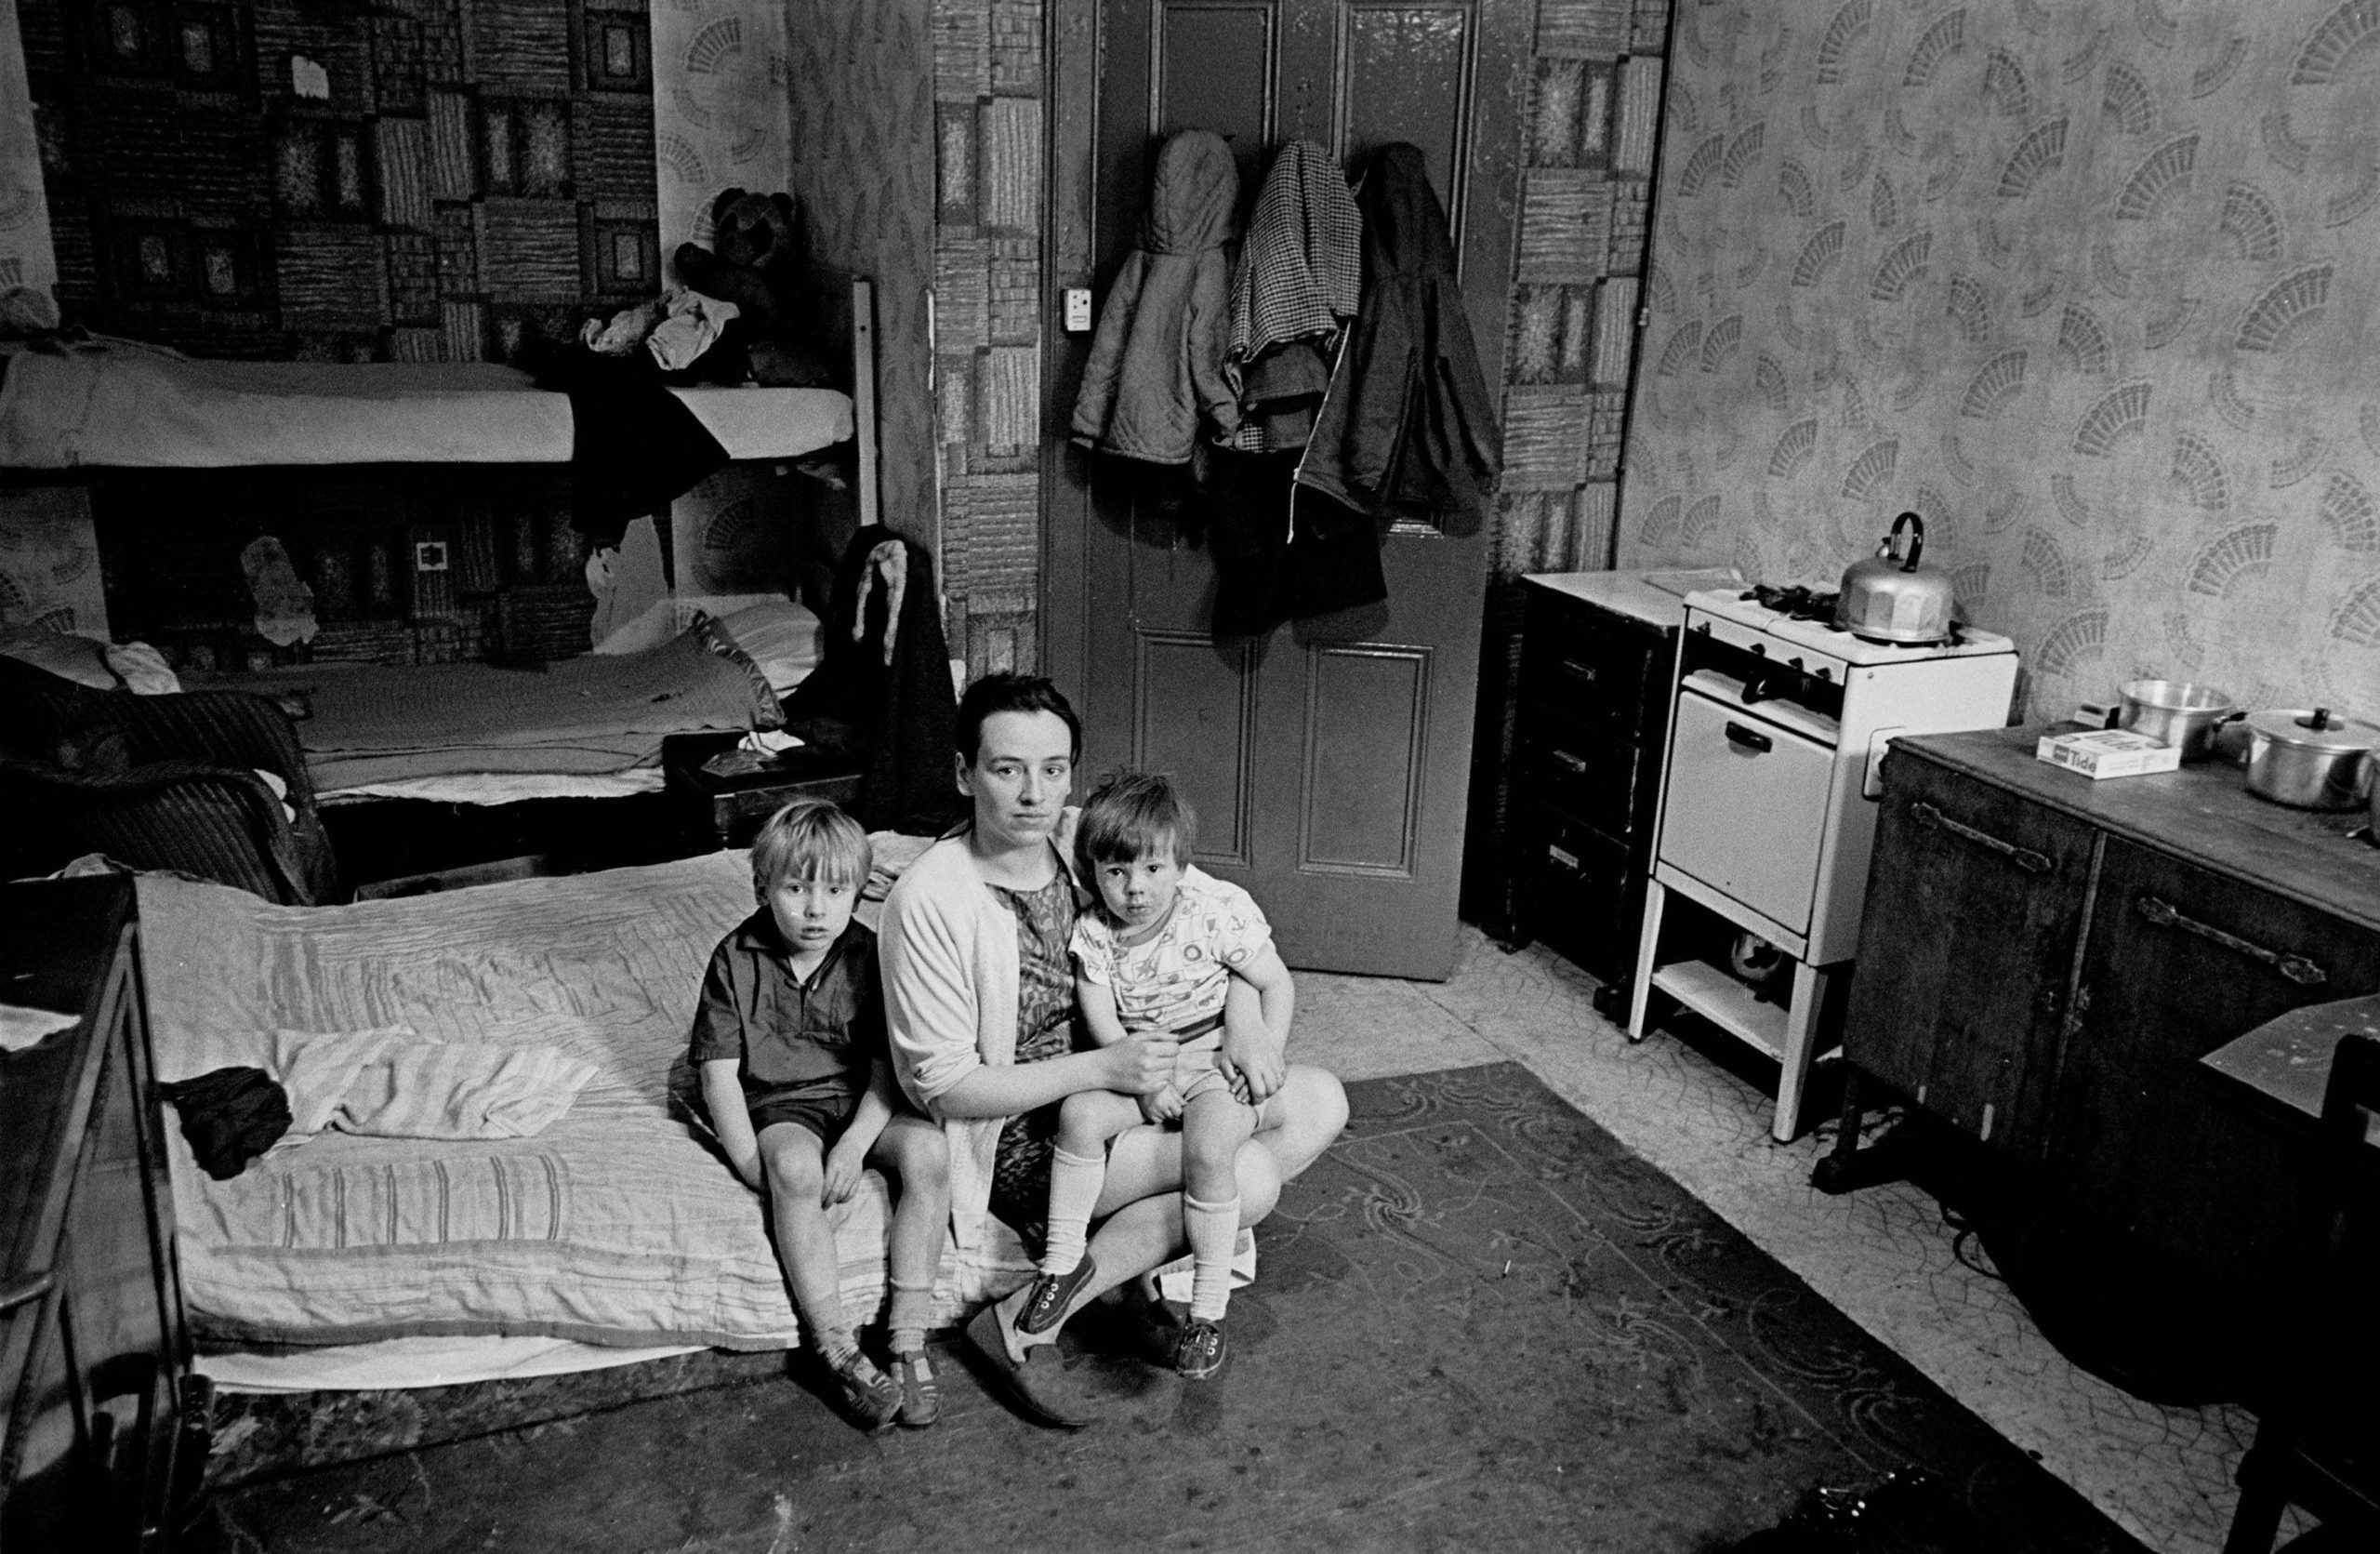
1890,597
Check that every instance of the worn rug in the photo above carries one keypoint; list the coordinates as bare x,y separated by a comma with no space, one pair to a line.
1479,1321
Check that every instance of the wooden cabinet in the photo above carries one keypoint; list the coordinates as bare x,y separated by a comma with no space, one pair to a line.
2044,960
1598,650
93,1352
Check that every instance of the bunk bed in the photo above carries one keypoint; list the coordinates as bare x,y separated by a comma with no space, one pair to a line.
466,732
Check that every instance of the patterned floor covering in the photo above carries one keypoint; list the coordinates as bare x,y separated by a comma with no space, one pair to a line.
1482,1322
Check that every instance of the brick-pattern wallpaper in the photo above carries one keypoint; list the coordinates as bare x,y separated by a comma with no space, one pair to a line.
987,128
1588,144
394,179
2088,286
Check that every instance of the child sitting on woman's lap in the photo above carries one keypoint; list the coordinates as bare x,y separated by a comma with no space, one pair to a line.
790,1039
1160,953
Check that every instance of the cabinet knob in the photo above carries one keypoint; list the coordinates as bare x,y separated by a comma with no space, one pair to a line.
1577,767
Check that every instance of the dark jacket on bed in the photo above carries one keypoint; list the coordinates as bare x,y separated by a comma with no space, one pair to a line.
1407,426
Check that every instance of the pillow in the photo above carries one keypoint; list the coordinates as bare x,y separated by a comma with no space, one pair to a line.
784,638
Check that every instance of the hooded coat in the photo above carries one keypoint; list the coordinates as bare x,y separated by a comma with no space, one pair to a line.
1157,360
1407,427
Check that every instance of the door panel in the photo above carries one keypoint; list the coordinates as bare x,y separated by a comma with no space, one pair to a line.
1330,762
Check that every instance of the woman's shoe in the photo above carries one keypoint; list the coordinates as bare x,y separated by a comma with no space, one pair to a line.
920,1396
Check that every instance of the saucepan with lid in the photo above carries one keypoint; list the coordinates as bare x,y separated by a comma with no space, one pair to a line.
2310,759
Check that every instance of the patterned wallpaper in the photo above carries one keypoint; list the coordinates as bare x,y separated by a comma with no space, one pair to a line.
861,78
720,116
2088,286
406,179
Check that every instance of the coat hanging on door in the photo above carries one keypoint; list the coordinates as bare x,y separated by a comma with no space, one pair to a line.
1407,428
1156,368
1299,284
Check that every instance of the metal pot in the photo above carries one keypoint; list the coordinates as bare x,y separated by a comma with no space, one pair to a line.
2310,759
2175,712
1890,597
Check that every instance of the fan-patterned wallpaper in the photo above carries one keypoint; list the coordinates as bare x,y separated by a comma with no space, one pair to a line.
2086,286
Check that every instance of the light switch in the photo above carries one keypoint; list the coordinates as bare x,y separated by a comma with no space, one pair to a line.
1077,310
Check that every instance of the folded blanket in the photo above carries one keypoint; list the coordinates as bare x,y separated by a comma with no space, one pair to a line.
394,1084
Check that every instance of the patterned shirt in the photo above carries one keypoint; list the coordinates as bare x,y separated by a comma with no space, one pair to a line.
1176,977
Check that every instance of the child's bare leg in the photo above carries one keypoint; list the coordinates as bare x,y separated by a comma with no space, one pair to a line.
1214,1125
915,1153
794,1161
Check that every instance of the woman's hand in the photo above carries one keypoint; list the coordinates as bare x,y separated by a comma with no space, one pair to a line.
1252,1060
843,1167
1141,1064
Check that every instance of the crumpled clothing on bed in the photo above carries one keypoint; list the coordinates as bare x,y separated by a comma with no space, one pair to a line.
394,1084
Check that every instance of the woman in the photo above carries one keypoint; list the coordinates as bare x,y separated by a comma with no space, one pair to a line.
979,1002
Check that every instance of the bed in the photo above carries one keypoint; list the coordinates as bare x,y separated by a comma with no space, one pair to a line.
573,726
616,1228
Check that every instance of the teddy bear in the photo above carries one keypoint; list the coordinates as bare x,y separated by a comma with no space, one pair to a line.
757,262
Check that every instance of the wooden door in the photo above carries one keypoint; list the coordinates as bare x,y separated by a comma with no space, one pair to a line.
1330,761
1974,920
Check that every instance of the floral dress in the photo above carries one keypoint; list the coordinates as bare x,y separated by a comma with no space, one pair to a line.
1045,1029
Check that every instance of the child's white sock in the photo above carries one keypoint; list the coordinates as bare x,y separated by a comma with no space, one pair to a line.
1074,1181
1213,1228
905,1322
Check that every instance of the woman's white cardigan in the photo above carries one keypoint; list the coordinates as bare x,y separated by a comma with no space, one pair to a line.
946,944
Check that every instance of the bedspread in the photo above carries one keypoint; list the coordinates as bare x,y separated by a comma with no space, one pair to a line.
616,1225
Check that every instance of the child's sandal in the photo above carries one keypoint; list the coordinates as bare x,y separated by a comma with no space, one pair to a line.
868,1394
920,1397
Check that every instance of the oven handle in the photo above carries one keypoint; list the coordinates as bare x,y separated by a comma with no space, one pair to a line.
1751,740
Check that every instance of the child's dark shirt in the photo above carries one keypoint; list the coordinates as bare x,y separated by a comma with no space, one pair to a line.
820,1035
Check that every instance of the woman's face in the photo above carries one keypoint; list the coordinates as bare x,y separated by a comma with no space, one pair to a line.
1023,773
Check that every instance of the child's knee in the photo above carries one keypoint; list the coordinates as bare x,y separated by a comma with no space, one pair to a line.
794,1164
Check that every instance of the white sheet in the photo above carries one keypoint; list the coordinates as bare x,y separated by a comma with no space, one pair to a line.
128,403
424,1362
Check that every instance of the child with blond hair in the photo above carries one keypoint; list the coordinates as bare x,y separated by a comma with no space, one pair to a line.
789,1041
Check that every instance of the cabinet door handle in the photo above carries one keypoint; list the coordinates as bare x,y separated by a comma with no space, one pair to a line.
2298,968
2023,857
1577,766
1583,671
25,1291
1751,740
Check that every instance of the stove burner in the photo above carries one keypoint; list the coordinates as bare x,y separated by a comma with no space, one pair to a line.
1801,604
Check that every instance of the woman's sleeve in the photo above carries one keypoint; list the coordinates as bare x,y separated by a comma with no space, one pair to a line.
929,996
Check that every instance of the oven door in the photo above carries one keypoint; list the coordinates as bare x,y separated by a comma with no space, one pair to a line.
1747,806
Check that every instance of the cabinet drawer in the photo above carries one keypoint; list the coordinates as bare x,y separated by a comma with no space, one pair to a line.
1582,669
1595,781
1576,893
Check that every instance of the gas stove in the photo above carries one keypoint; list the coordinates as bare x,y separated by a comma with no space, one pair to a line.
1806,620
1778,723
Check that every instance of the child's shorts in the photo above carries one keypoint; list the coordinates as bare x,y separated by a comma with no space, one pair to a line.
1196,1069
825,1109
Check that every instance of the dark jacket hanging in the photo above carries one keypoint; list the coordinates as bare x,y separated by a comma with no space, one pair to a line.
1408,428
